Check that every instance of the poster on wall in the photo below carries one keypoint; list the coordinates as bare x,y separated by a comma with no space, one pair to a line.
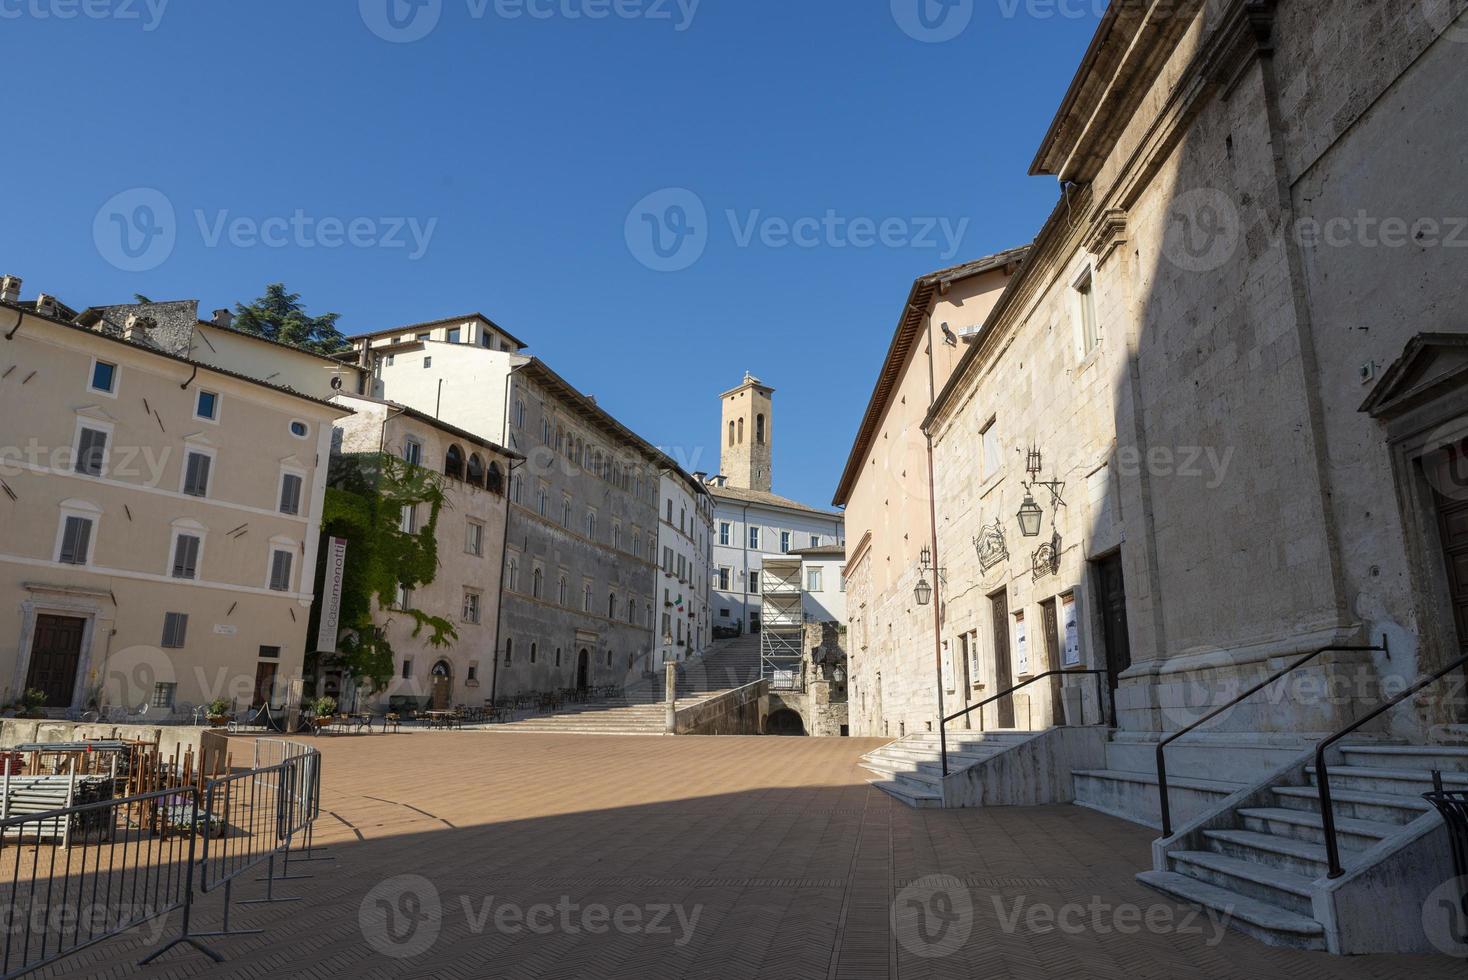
947,668
1021,645
1071,653
331,600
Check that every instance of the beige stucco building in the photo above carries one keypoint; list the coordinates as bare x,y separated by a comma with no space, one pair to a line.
162,516
470,541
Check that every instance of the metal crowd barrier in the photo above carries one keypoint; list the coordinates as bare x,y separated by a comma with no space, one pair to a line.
132,861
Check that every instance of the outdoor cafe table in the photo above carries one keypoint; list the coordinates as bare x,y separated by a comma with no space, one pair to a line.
441,719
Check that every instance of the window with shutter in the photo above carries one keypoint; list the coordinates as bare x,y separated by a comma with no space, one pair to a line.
76,541
185,556
280,571
91,450
175,630
290,494
196,475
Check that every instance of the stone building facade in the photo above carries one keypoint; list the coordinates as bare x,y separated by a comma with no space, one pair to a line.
1237,343
470,542
578,598
685,555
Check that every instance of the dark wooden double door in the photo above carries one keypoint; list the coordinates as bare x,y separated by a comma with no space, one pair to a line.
56,655
1449,479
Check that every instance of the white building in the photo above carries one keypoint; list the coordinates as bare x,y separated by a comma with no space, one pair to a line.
823,582
685,542
751,521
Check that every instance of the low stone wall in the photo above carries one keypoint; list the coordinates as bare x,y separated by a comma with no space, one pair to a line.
735,713
21,731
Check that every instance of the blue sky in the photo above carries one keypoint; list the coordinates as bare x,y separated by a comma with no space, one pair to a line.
800,162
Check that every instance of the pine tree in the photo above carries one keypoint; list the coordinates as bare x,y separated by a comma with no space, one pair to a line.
279,315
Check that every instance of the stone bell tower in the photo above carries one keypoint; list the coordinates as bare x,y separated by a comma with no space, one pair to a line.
746,434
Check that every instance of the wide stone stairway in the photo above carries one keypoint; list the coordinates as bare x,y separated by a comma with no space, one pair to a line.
640,709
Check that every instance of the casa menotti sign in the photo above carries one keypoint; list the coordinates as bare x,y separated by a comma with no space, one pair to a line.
331,598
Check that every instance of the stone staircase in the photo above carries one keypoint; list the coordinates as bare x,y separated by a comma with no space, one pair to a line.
911,768
1263,864
640,709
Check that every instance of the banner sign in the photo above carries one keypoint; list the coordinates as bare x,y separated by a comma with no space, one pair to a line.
331,597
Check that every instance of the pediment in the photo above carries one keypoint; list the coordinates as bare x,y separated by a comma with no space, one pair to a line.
1430,365
96,413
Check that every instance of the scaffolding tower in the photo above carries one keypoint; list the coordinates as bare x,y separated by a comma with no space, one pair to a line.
782,623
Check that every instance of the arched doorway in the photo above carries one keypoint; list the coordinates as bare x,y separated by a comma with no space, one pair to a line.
583,669
443,686
784,722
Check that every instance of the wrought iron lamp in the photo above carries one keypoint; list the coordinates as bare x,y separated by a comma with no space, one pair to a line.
923,591
1029,516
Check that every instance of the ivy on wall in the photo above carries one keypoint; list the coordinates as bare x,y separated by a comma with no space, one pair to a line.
365,503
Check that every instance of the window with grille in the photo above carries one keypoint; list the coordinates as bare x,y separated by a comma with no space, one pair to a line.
163,695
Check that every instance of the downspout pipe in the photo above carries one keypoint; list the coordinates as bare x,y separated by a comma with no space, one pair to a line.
937,560
499,605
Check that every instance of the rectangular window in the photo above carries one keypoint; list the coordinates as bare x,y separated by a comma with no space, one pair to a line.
566,512
815,540
270,653
409,522
413,451
784,542
163,695
724,578
428,362
754,537
813,579
290,494
403,599
196,474
76,541
724,531
471,607
1090,330
91,451
453,335
175,630
206,405
754,582
280,570
185,556
474,538
989,451
407,668
104,377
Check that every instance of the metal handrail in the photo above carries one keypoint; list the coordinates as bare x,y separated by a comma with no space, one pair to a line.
1327,813
943,722
1161,759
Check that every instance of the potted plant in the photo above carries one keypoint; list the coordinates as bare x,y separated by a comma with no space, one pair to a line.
31,704
323,709
217,711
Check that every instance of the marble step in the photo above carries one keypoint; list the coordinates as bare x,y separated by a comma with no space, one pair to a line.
1379,807
1447,758
1391,782
1276,886
1134,795
1288,854
909,795
1351,833
1262,920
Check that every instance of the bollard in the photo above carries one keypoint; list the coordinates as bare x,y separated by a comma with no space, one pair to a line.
670,685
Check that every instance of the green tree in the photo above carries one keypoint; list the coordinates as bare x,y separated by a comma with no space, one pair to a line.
279,315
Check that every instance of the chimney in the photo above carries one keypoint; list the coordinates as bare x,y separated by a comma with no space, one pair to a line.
46,305
10,289
137,327
223,318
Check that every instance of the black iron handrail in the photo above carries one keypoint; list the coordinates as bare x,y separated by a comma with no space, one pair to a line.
943,722
1327,813
1162,760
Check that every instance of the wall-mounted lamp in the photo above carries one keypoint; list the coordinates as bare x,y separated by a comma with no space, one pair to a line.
1029,517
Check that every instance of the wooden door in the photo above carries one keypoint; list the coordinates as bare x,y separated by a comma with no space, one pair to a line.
1050,623
1003,674
443,686
1449,479
264,682
1111,586
583,670
56,653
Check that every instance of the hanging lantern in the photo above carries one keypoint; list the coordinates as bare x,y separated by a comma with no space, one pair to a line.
1029,517
923,592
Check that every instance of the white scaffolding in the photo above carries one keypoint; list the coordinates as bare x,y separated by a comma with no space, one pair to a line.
782,623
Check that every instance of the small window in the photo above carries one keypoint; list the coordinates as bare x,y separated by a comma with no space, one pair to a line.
754,537
186,556
473,673
533,650
724,531
206,406
813,581
784,542
413,451
196,474
989,450
91,451
509,652
163,694
1090,329
408,523
407,668
290,494
754,582
300,429
428,362
454,335
76,541
104,377
471,607
175,630
474,538
403,599
280,570
270,653
815,540
423,336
